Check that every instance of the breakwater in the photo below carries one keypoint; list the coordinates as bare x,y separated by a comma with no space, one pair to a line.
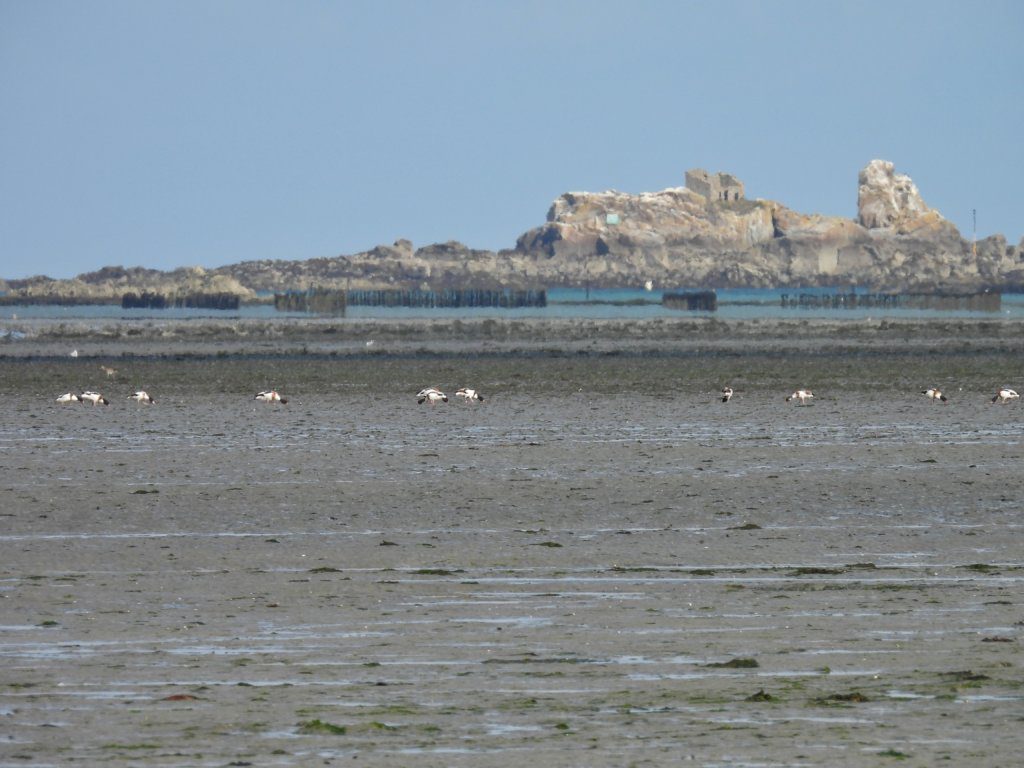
148,300
319,301
42,300
335,302
693,301
454,298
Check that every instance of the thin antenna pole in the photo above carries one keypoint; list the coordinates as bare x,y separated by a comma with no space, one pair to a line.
974,231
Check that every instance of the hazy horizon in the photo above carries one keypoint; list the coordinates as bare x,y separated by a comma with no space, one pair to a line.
165,135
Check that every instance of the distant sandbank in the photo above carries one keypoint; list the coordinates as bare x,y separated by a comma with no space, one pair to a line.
368,337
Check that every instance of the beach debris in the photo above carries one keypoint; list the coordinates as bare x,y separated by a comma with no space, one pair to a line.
966,675
320,726
854,697
737,663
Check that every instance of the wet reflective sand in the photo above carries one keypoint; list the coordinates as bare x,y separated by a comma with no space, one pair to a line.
601,564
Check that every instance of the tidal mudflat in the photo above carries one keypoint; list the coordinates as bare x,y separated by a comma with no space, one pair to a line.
600,565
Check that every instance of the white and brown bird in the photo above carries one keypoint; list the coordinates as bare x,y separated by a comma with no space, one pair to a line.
726,394
803,395
69,397
95,398
1005,395
933,393
111,372
142,396
433,395
469,394
270,396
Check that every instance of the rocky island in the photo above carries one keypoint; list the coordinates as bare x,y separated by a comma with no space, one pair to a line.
705,234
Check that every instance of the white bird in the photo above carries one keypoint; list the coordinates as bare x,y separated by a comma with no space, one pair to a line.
95,398
143,397
470,394
1005,395
270,396
803,395
726,394
433,394
69,397
933,393
74,353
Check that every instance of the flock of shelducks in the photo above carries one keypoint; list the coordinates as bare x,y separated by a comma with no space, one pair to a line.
97,399
433,395
1003,395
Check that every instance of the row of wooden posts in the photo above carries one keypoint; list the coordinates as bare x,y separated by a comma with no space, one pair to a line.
326,301
147,300
984,301
335,302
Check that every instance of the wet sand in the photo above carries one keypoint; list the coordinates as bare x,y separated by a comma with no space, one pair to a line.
599,565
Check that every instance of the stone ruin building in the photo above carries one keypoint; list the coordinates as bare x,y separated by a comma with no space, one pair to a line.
718,186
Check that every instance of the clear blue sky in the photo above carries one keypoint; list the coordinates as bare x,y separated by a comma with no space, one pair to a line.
167,134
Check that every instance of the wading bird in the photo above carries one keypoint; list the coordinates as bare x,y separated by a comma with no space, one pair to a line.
431,394
1005,395
803,395
270,396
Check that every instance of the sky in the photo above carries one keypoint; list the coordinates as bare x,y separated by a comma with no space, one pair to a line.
166,134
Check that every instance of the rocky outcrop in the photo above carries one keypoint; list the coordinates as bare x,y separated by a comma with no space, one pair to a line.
111,283
677,237
440,265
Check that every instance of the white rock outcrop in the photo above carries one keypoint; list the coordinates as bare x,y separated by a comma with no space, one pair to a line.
888,199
